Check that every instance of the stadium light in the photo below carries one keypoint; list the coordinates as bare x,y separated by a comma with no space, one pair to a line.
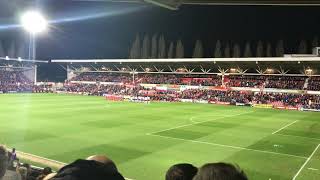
7,58
233,69
34,22
269,70
309,70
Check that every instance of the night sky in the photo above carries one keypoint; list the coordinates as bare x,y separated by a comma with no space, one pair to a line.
110,35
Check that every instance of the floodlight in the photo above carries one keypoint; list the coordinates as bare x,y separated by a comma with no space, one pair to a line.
7,58
269,70
34,22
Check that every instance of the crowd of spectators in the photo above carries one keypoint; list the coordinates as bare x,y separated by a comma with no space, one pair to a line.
229,96
245,81
12,169
314,83
255,81
285,82
150,79
100,167
14,81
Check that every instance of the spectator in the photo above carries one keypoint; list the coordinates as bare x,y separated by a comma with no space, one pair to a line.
46,171
181,172
3,161
23,171
94,168
4,173
220,171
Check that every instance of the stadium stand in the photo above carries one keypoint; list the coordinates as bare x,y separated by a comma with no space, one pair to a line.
14,81
285,82
150,79
314,84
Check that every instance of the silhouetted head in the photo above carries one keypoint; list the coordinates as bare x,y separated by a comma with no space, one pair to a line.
220,171
181,172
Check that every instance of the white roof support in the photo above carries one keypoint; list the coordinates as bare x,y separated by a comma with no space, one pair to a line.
256,59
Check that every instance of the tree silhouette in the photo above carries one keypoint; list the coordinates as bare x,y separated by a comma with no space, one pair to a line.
12,50
171,50
154,46
269,50
179,50
217,51
21,52
198,50
247,50
236,51
162,48
146,47
2,53
227,51
135,51
315,42
303,48
260,52
280,49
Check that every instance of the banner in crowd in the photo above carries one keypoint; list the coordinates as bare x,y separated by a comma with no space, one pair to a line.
265,106
219,102
313,92
286,107
186,100
111,97
313,110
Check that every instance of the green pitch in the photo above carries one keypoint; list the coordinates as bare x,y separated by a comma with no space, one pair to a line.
146,139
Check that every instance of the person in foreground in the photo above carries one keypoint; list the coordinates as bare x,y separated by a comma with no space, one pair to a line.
4,161
97,167
181,172
220,171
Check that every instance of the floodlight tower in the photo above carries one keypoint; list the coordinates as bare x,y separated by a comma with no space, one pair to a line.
34,23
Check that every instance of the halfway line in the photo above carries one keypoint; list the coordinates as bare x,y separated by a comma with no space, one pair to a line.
305,163
229,146
285,126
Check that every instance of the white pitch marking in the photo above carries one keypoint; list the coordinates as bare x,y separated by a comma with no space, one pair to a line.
306,162
285,127
229,146
191,119
313,169
185,125
297,136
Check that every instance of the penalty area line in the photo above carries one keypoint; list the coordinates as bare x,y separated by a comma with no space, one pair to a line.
228,146
194,123
284,127
306,162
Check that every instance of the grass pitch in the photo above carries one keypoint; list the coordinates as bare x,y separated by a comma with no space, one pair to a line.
146,139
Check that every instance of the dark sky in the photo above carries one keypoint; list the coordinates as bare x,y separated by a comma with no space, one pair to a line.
110,36
111,33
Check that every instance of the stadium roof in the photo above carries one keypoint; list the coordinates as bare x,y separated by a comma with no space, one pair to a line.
175,4
279,66
175,60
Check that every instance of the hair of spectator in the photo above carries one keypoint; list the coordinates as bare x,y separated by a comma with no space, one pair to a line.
182,171
105,160
220,171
